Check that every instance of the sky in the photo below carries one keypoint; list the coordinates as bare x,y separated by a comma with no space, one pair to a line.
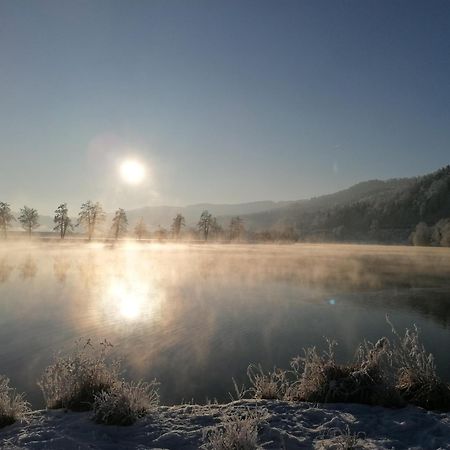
222,101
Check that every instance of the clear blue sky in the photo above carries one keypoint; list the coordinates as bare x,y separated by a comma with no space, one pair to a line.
225,101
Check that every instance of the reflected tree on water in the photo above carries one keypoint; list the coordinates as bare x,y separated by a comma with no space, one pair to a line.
28,269
61,266
90,269
5,270
6,218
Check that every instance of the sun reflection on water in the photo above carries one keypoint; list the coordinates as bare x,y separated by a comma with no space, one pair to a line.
131,300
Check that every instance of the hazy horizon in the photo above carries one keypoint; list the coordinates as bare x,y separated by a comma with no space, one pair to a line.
74,207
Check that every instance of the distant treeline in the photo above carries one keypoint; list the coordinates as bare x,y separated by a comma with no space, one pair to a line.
408,210
91,220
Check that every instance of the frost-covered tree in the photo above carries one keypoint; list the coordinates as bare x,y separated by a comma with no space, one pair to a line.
204,224
90,215
177,224
29,219
441,233
62,220
445,235
140,230
6,218
119,223
422,234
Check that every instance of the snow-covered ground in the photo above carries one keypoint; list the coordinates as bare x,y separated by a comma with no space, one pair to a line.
287,426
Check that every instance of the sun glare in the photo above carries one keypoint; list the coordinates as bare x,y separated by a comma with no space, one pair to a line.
132,171
131,299
129,307
127,301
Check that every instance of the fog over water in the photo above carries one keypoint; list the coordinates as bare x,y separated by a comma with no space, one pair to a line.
194,316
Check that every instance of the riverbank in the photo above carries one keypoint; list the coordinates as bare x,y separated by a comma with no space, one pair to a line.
282,425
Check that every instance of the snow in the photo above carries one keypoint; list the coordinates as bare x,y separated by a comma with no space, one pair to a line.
287,425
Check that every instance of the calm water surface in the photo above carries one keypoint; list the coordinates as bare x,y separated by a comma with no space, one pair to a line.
194,316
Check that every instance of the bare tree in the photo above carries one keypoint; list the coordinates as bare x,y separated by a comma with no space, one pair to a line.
236,228
62,220
90,215
6,218
204,224
177,224
140,229
119,223
29,219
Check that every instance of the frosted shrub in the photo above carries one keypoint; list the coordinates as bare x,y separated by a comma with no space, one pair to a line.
312,375
316,377
268,386
417,381
125,402
312,378
238,431
374,376
365,380
73,381
385,373
341,439
13,407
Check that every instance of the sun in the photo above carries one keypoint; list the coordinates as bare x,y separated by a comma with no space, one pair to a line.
132,171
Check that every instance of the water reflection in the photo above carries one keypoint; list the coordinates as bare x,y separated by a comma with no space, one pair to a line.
89,269
195,316
5,270
61,267
430,303
131,298
28,269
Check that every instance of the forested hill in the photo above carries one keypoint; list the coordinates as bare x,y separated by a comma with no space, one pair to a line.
385,211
